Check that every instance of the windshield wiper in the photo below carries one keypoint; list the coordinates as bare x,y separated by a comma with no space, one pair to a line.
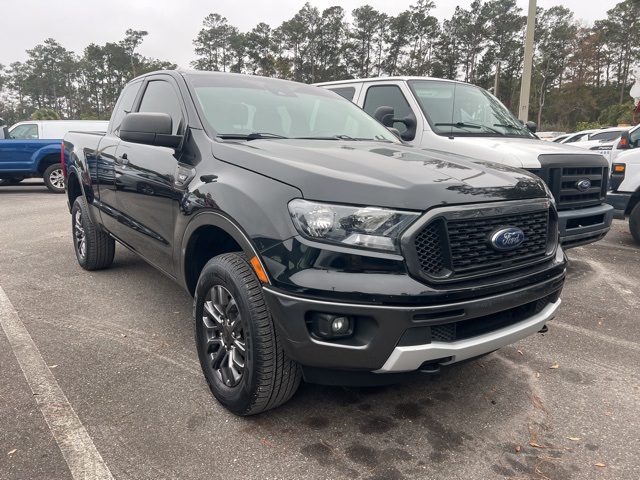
331,137
250,136
468,125
514,127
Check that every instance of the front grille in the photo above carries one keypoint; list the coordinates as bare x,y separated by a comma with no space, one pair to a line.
449,248
569,195
563,174
471,252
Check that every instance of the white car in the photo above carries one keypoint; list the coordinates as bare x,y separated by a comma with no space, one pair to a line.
582,135
604,142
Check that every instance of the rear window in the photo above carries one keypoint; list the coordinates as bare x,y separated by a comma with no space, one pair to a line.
346,92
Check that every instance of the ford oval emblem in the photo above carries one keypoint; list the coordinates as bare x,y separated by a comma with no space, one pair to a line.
583,185
507,239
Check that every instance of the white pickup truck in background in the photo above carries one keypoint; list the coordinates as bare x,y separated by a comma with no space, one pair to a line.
625,181
463,119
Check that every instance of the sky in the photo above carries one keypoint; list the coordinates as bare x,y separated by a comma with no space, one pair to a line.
172,25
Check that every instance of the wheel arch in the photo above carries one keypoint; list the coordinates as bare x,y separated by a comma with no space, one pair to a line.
208,235
74,189
47,161
633,201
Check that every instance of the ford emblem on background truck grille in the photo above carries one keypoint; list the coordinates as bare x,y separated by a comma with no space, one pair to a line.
507,239
583,185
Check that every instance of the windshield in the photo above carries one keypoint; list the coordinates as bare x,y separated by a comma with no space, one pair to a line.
251,107
462,109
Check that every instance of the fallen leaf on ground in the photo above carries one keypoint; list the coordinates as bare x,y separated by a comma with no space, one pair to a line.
537,374
12,451
575,439
520,352
517,448
122,335
53,366
555,365
608,414
600,465
533,444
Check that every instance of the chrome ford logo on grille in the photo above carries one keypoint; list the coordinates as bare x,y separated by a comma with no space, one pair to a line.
507,239
583,185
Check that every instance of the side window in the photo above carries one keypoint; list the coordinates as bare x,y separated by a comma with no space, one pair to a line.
388,96
346,92
124,106
634,141
26,132
160,96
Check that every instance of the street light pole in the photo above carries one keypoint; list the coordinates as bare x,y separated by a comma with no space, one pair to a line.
525,89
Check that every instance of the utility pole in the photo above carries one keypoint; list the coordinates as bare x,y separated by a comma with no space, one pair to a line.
525,89
497,79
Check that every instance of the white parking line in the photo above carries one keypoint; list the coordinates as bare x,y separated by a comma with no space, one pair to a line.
74,442
599,336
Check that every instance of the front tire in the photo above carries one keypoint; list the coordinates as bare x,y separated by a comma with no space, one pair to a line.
634,223
53,178
94,248
238,347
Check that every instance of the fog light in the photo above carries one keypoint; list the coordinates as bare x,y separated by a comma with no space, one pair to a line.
328,326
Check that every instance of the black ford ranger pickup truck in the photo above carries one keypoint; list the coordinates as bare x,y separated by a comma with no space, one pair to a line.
315,244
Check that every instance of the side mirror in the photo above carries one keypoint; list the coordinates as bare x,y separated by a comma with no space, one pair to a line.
386,116
149,129
532,126
625,141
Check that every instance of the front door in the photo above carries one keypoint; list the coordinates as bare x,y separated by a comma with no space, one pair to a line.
144,183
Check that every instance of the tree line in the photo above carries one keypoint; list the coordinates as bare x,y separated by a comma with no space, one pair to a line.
581,73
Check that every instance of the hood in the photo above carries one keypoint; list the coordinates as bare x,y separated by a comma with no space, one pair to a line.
380,174
516,152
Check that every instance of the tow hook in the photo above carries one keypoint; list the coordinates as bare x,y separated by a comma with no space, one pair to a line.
430,368
544,329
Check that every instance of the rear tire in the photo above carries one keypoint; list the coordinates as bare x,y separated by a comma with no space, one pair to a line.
634,223
238,347
53,178
94,248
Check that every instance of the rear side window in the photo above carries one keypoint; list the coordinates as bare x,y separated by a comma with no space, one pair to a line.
124,106
346,92
26,132
388,96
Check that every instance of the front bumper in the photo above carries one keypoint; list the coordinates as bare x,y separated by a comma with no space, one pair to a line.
619,202
584,225
405,359
401,338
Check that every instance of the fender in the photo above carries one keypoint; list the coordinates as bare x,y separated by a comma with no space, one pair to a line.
226,224
38,155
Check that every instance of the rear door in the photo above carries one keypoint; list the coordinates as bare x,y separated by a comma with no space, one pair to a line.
144,180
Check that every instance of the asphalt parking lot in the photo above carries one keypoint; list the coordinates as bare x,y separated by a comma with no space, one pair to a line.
110,357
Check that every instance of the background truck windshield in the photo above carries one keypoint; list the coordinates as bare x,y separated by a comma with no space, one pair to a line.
455,109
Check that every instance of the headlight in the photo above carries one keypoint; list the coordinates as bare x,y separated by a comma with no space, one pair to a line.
367,227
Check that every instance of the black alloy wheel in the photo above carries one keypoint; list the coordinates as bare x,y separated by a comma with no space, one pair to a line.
239,350
222,323
94,248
